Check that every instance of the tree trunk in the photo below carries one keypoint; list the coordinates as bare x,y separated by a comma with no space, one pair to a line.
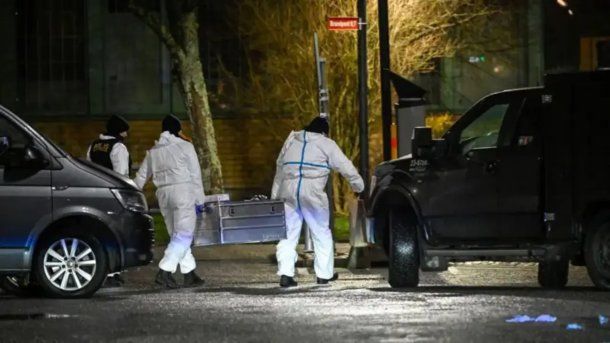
193,88
181,38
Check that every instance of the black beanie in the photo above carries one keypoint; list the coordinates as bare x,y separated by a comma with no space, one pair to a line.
318,125
172,124
115,125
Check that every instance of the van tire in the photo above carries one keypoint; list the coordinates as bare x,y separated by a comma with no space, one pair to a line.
403,251
553,274
597,254
96,274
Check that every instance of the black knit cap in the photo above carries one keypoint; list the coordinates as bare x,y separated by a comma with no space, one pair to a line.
318,125
172,124
115,125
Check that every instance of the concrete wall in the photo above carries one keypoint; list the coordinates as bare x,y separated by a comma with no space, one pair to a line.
463,82
129,68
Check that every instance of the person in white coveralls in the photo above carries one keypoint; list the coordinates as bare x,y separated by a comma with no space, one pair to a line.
303,166
173,165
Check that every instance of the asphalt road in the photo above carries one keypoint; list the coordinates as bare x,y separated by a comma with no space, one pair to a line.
241,302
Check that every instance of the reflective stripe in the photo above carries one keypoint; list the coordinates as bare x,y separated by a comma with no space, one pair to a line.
307,164
301,170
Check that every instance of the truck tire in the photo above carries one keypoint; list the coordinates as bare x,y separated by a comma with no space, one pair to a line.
403,251
553,274
70,264
597,254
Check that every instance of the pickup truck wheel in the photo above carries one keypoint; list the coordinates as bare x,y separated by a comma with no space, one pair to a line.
597,255
70,265
403,252
553,274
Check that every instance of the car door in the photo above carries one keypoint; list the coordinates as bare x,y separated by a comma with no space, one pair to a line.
463,200
25,192
519,172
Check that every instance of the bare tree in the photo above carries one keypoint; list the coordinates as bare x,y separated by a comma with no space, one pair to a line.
178,30
281,85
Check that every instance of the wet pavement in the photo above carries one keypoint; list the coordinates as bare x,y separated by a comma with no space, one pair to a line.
241,302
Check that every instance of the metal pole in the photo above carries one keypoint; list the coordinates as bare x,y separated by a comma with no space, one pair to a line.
324,111
362,97
386,95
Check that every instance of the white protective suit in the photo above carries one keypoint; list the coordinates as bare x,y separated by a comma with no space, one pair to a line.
303,167
175,171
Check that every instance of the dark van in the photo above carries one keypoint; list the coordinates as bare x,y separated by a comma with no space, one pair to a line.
64,223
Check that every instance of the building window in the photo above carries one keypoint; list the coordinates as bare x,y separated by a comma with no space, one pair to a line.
118,6
52,56
122,6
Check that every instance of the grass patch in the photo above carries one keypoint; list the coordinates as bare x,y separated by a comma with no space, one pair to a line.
341,232
161,236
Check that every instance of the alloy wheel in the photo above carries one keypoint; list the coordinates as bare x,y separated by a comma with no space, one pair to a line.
70,264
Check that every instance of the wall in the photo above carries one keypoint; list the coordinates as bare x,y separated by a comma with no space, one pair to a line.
246,152
8,53
463,82
563,32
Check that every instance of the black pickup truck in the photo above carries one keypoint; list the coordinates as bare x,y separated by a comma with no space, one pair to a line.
524,175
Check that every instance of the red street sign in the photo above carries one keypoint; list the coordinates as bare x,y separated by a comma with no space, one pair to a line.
343,24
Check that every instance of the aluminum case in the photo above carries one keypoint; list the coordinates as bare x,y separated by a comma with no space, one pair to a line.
237,222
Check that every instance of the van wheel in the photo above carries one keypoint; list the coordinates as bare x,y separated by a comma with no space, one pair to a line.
553,274
16,285
404,252
597,255
70,265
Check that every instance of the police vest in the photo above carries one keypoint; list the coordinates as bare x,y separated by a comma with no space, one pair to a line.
100,152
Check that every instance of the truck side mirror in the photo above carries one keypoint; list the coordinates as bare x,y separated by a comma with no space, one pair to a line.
5,144
421,141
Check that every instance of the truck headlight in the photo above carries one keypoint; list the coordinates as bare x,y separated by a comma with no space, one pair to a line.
131,200
373,184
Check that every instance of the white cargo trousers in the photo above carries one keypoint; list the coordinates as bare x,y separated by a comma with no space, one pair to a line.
177,205
310,203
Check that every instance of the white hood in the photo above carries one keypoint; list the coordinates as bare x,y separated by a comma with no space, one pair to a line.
172,161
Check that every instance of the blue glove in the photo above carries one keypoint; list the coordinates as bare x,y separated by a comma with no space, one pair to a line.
199,209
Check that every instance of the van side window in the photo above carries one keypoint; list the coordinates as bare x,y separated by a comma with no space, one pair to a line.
17,141
484,131
528,130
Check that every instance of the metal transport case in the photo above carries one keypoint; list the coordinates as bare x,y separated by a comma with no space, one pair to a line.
235,222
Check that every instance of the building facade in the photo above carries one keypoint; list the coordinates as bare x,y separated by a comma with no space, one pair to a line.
68,64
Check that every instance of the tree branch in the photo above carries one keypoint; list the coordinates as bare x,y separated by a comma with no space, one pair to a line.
451,24
153,20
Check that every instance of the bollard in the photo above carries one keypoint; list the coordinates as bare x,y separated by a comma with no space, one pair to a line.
308,243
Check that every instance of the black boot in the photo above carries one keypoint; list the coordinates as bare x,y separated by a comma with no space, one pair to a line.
287,281
114,280
321,281
192,280
166,279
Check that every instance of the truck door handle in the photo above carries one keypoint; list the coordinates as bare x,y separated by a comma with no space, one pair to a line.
491,167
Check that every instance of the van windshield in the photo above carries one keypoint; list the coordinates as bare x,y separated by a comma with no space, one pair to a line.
57,147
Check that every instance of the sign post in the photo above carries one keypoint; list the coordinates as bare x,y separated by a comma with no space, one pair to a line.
363,97
324,113
359,257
